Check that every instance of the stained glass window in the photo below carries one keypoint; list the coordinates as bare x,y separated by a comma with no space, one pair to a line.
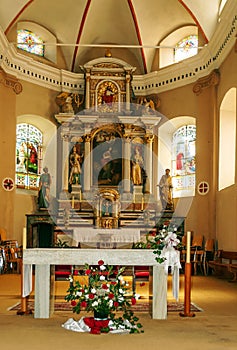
28,156
184,160
185,48
30,42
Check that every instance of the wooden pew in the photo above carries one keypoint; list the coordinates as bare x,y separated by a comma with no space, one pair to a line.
233,269
222,263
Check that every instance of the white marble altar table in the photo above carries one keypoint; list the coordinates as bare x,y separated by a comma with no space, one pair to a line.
43,258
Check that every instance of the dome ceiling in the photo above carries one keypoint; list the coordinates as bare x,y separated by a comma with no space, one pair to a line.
131,29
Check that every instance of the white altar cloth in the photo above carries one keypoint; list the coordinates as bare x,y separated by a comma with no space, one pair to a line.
92,235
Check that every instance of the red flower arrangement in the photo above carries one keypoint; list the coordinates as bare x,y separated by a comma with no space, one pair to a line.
104,293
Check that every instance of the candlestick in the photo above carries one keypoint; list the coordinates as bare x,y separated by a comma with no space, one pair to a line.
24,238
72,201
188,243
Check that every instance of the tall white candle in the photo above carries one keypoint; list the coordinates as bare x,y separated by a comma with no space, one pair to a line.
188,243
24,238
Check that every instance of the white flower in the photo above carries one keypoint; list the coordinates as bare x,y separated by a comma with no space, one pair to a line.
102,267
70,278
102,278
111,303
95,303
120,278
79,294
121,291
93,290
120,299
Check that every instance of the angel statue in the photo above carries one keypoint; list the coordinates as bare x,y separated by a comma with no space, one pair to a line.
69,102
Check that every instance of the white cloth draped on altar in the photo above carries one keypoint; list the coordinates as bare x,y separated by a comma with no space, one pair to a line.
119,236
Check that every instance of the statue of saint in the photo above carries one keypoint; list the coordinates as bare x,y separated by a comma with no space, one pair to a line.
137,163
165,189
44,189
75,163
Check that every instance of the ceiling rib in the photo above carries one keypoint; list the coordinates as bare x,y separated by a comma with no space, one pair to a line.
138,34
80,33
16,17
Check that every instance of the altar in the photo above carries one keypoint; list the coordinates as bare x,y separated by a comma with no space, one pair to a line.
44,259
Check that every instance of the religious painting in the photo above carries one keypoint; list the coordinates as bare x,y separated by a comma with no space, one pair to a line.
107,97
107,158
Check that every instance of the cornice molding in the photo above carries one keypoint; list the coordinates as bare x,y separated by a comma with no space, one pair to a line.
171,77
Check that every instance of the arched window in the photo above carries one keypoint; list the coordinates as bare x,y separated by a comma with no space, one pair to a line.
178,45
183,162
30,42
185,48
28,156
227,140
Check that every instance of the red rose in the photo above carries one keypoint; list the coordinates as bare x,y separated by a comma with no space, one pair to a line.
82,290
100,262
88,272
133,300
83,303
116,304
142,284
104,286
113,283
73,303
91,296
111,295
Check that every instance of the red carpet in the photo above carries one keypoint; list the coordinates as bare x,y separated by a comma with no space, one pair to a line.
139,307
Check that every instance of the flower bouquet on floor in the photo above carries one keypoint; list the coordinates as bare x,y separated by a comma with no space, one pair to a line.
104,292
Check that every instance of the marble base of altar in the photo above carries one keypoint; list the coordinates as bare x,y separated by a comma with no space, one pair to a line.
45,259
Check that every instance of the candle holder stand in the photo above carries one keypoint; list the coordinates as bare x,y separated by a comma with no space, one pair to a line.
187,292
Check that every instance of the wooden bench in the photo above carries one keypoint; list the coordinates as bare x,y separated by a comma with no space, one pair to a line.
233,269
225,264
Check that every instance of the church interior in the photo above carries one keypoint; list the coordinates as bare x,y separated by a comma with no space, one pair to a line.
116,120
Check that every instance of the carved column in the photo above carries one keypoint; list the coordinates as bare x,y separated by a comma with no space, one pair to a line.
148,163
87,164
126,157
128,79
88,78
65,163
